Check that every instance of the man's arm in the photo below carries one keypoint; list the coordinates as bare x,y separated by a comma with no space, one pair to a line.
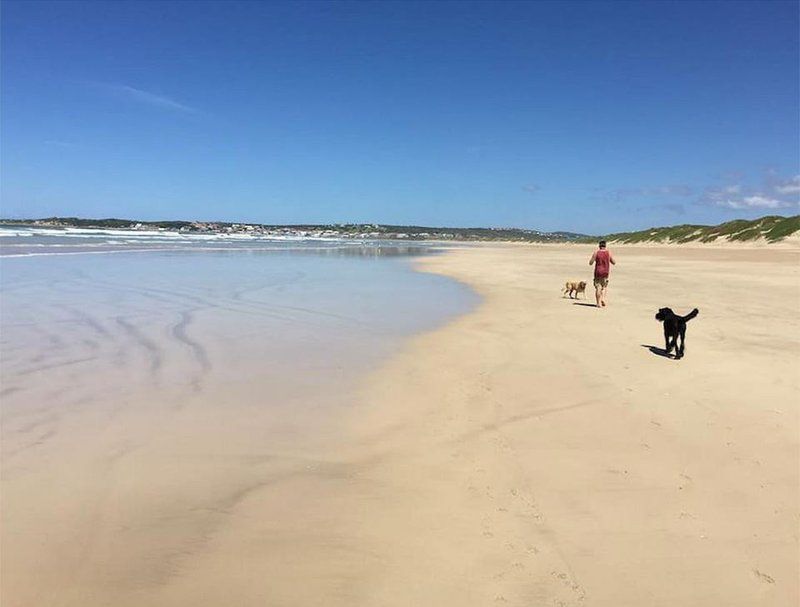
611,258
591,261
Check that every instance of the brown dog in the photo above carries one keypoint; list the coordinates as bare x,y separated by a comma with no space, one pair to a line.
575,287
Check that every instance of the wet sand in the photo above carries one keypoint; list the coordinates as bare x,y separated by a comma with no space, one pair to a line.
537,451
148,397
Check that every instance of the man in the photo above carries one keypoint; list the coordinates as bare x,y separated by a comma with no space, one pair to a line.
602,260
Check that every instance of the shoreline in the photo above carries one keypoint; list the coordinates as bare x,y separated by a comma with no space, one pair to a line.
532,451
158,412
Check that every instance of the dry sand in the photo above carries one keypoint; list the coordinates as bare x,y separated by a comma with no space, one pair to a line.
540,454
533,452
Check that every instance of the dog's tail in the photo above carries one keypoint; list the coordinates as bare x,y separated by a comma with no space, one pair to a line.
691,314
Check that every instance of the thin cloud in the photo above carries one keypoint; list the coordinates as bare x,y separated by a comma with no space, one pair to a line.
792,186
739,197
731,175
663,191
672,207
147,98
676,208
531,188
775,193
757,201
59,143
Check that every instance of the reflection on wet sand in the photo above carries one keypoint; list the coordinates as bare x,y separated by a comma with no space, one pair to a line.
147,398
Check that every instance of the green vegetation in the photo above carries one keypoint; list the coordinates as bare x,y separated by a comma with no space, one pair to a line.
771,228
111,222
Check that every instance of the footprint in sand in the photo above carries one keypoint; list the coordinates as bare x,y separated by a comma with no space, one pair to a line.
767,579
577,590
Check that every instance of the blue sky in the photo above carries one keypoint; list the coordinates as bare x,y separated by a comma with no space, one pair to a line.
583,116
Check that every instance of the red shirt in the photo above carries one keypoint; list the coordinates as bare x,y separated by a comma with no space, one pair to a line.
602,265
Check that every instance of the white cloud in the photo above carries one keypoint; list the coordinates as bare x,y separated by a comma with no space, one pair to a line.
774,193
147,97
757,201
792,186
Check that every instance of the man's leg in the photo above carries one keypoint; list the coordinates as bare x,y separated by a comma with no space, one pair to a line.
603,296
598,294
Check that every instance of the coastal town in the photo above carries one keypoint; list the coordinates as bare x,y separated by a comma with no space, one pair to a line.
345,230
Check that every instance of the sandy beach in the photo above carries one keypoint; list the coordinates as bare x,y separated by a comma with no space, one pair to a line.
535,451
539,453
283,319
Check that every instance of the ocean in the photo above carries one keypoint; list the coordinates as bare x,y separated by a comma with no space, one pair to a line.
175,314
151,380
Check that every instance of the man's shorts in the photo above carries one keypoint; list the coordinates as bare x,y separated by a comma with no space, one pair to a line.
601,282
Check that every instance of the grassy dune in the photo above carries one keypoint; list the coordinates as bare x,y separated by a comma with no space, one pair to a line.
772,228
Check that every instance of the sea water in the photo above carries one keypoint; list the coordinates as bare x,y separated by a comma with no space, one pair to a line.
150,383
92,316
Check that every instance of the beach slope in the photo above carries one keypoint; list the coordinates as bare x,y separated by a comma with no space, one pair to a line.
541,451
536,451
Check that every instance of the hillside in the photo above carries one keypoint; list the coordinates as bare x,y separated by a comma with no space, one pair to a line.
772,228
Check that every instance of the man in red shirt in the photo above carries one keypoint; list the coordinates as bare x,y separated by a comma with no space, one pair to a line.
602,260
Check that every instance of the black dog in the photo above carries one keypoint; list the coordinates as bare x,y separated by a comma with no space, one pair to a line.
675,325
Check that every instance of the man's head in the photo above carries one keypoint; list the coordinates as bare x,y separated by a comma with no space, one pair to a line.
602,244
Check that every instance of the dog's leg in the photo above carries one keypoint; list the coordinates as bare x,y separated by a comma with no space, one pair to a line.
667,347
683,342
